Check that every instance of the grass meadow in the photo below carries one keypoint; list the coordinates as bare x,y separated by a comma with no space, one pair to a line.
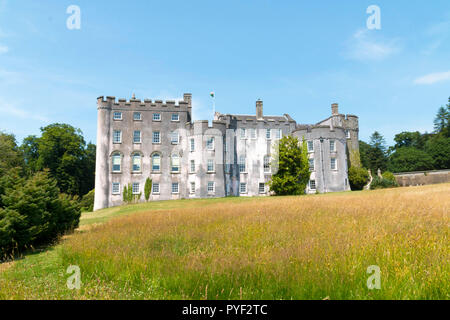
307,247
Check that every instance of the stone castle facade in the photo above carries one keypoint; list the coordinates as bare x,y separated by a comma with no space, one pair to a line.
138,139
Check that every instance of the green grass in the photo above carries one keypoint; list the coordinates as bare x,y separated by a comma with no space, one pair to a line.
308,247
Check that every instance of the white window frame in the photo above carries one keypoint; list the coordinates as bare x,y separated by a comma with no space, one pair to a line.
159,137
172,165
114,155
278,134
192,188
253,133
177,188
213,187
192,166
174,137
134,189
242,184
263,189
347,134
132,162
115,136
311,164
134,136
311,182
266,164
158,116
310,146
155,186
210,144
268,134
243,133
242,164
332,145
192,145
210,166
117,118
139,118
177,117
152,163
335,164
115,185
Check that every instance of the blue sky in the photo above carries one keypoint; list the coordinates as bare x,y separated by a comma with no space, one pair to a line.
298,56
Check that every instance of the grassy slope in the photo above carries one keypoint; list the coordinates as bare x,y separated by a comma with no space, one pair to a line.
291,247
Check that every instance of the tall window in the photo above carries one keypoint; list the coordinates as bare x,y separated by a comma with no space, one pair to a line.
243,133
241,164
175,167
278,134
210,186
117,115
137,136
332,146
210,165
311,164
262,187
253,133
347,134
174,138
192,166
312,184
136,162
243,187
156,137
116,162
116,188
155,188
175,187
117,136
135,187
268,134
175,117
192,187
156,162
266,163
333,164
192,144
310,145
210,144
137,116
157,117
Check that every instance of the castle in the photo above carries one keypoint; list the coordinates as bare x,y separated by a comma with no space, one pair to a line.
138,139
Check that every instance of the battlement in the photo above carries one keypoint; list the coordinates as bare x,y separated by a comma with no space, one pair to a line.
111,103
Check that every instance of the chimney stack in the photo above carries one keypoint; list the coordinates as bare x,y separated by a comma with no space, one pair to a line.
187,97
259,109
334,109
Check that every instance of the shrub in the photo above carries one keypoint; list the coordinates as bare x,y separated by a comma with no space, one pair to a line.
358,177
87,202
34,213
147,188
387,181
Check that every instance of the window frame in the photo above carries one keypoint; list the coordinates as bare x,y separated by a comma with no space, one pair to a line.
117,119
114,155
133,155
240,187
133,188
213,187
242,164
172,135
269,134
210,146
263,189
266,164
134,137
333,143
114,137
135,114
192,185
112,188
177,119
159,137
310,145
172,166
208,163
311,182
156,185
335,164
312,164
178,187
152,162
159,116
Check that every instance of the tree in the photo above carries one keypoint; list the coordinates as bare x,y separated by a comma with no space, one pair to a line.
291,161
442,120
410,139
407,159
62,150
376,156
358,177
10,154
147,188
364,150
438,148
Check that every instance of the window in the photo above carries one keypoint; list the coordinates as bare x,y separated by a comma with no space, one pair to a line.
175,188
117,115
268,134
253,133
156,162
192,166
192,144
174,138
117,136
266,164
243,187
157,117
135,187
137,136
116,188
155,188
136,162
311,164
210,144
210,166
243,133
156,137
262,187
333,164
175,167
241,164
310,146
116,162
225,146
192,187
137,116
278,134
332,146
210,188
312,184
347,134
175,117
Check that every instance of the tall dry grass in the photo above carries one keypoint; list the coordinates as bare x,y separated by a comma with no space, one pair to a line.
273,248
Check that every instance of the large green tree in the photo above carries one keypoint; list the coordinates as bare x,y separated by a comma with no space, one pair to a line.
442,120
10,154
63,150
292,168
374,154
407,159
438,148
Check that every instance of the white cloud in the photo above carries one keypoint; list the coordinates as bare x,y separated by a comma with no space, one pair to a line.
363,47
433,78
14,111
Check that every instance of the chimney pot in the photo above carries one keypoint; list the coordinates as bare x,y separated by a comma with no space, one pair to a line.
334,109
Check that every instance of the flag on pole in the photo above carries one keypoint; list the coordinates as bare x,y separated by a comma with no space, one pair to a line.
212,94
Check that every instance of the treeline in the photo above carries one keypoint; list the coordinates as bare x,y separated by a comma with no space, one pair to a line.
413,151
45,182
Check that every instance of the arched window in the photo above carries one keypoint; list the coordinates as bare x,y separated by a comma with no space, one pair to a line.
156,162
175,165
116,162
266,163
136,158
241,164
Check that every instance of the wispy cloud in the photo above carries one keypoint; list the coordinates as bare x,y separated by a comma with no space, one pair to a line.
433,78
14,111
364,47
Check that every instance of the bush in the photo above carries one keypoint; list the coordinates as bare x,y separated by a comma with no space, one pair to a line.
34,213
387,181
147,188
358,177
87,202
